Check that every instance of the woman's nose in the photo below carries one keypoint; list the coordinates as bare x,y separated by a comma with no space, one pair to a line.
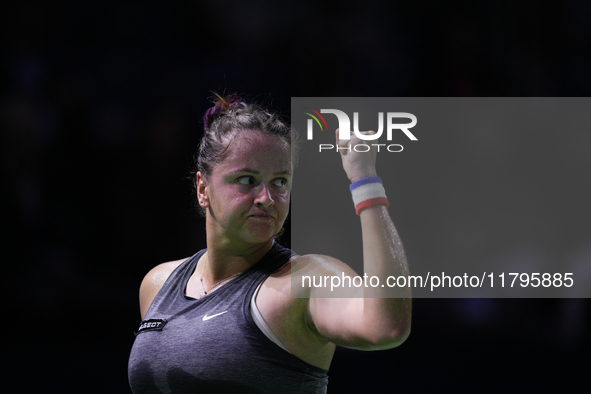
264,197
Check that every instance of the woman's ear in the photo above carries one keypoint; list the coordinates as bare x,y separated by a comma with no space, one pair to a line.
202,189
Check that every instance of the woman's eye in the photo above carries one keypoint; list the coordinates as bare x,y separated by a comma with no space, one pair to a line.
245,180
280,182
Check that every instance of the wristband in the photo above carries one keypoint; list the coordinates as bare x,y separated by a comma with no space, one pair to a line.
367,192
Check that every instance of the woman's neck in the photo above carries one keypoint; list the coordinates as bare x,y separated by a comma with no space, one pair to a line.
224,259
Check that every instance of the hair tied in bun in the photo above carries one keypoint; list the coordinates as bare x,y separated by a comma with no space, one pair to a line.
221,104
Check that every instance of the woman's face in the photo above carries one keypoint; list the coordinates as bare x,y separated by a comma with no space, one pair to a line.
246,196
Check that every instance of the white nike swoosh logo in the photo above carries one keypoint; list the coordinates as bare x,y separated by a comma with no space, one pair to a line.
212,316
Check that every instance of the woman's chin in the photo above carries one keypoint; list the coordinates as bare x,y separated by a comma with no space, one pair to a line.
262,234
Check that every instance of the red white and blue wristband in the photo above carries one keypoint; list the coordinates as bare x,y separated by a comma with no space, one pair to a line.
367,192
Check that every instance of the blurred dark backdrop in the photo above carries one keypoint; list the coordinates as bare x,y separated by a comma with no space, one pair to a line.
100,108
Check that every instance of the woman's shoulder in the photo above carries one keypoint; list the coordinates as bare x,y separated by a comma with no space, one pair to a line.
288,279
153,282
317,263
158,275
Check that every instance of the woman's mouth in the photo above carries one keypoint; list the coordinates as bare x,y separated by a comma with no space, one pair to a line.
262,217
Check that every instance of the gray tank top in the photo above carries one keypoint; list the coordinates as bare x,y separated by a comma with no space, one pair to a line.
212,345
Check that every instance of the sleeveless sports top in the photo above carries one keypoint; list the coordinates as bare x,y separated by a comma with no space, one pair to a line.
212,344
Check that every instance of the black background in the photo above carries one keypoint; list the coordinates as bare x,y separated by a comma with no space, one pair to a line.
100,113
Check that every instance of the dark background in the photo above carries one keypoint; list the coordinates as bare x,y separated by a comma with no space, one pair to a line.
100,113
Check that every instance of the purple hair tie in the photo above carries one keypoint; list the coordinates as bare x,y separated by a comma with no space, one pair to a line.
222,104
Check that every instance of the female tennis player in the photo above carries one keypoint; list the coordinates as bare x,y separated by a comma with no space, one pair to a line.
225,319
